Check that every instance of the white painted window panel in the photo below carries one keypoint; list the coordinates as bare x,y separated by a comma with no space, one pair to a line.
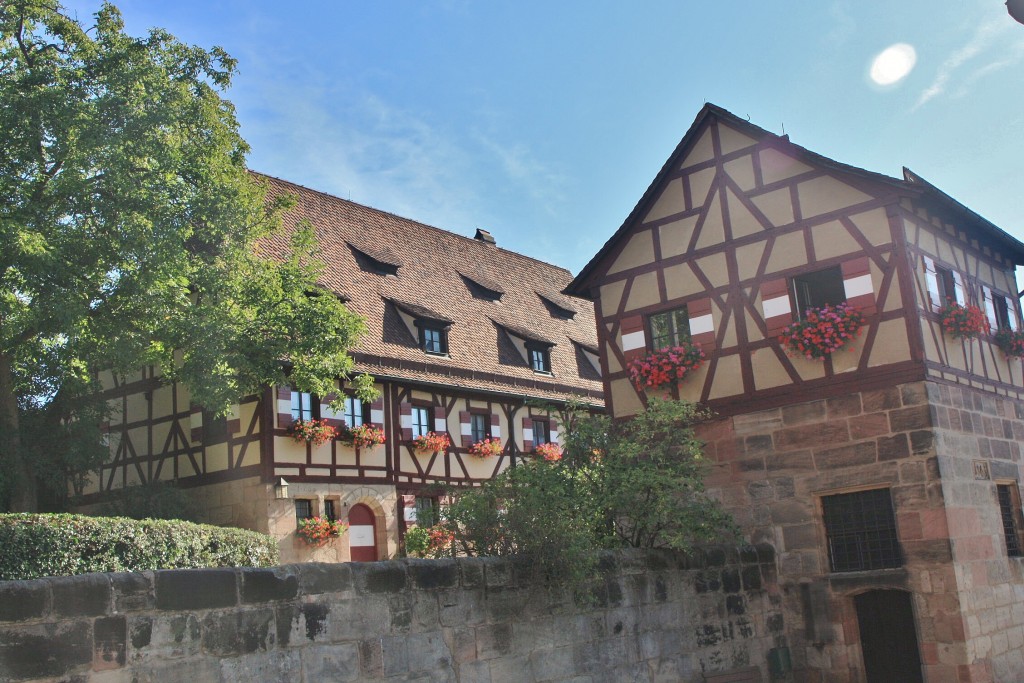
702,324
776,307
858,286
361,535
634,340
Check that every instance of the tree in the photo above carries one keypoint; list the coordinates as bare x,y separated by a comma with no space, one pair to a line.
130,233
635,483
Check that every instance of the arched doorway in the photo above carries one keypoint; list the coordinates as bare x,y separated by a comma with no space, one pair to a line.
362,534
888,637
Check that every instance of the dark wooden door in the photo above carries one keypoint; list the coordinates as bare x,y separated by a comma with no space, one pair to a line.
888,637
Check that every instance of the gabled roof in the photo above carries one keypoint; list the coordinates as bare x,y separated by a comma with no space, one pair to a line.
911,185
429,283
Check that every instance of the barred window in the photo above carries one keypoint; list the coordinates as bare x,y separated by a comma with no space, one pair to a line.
1009,511
861,531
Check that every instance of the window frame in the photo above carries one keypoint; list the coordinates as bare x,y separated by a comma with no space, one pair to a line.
541,431
539,356
805,289
1001,310
215,429
946,282
350,416
1008,500
869,543
308,502
675,336
330,509
313,409
420,428
425,326
479,435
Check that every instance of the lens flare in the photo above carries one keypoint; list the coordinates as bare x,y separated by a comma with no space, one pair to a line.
893,64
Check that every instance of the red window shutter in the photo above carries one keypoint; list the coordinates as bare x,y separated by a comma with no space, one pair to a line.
196,422
409,510
377,413
527,426
553,430
440,419
776,306
327,414
495,426
467,437
702,327
857,283
634,338
284,419
405,411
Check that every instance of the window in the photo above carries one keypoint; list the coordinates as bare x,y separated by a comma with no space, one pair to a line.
861,531
1009,511
355,412
947,285
303,509
541,432
670,328
540,358
302,405
420,421
426,511
433,339
329,511
814,290
1002,310
215,429
479,427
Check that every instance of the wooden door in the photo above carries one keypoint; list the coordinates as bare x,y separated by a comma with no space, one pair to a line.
362,534
888,637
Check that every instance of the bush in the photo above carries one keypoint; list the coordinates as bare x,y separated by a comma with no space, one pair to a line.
62,545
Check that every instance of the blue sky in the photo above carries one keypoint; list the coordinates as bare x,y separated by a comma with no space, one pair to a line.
544,122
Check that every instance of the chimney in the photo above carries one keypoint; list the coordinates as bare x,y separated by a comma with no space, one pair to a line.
484,236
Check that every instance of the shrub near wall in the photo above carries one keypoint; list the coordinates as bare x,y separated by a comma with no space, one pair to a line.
34,546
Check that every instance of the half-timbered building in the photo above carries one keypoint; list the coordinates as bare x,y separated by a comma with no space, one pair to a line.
886,472
462,334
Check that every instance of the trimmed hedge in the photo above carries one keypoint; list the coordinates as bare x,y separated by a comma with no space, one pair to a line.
33,546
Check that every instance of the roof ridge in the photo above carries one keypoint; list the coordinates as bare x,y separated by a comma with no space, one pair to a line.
414,221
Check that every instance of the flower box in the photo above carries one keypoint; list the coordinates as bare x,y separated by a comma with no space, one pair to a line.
549,451
314,432
317,531
363,436
1011,343
486,448
668,365
823,331
962,322
432,442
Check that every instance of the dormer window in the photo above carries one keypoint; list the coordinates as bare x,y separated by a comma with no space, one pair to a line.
377,261
433,337
481,287
540,358
557,306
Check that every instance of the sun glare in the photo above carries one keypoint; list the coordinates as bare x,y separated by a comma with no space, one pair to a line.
893,64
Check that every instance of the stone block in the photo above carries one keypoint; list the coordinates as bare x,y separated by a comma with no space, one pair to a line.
881,399
189,589
133,591
280,665
462,641
504,604
460,608
802,413
868,426
894,447
331,662
22,600
751,578
913,394
555,664
428,652
863,453
761,422
922,442
322,577
758,445
731,582
909,419
226,634
268,585
811,436
179,671
395,655
510,669
432,574
302,623
353,619
87,595
44,650
379,577
109,642
800,536
846,405
371,659
792,511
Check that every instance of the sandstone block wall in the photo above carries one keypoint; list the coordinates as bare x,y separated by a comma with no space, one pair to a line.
654,617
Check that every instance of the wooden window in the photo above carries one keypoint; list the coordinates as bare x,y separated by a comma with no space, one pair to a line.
479,426
427,511
1002,310
303,406
541,432
1010,513
669,328
861,531
947,285
356,412
540,358
330,512
303,509
215,429
814,290
433,338
420,421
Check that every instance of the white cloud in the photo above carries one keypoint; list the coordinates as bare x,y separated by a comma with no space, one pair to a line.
984,37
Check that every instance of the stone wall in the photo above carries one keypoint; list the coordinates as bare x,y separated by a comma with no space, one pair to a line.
654,617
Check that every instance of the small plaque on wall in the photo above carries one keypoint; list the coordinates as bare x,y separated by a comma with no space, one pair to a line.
981,469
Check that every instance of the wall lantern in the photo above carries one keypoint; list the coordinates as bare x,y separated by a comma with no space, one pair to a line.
1016,9
281,489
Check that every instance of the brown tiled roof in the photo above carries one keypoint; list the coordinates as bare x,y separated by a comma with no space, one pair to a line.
429,283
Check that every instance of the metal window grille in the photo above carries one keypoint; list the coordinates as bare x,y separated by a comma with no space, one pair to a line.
861,531
1009,511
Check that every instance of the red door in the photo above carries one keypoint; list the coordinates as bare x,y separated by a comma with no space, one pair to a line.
362,534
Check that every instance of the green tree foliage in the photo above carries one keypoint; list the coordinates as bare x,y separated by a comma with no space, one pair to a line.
129,235
635,483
